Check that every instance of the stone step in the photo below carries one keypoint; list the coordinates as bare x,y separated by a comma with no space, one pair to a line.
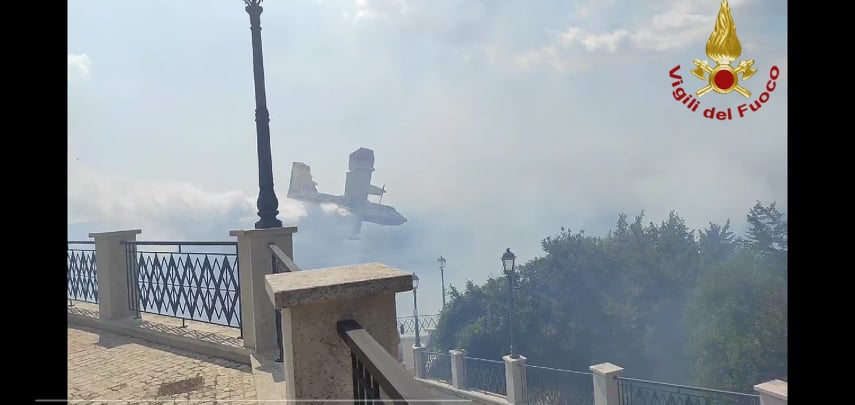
269,376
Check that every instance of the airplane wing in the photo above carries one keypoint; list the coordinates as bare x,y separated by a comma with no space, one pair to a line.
301,179
320,198
304,188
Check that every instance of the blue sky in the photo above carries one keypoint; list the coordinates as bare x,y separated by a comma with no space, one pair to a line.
494,123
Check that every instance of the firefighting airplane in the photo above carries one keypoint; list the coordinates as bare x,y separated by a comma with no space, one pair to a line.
357,188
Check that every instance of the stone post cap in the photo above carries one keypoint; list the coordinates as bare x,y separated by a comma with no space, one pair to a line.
115,234
507,358
606,369
263,232
774,388
457,351
299,288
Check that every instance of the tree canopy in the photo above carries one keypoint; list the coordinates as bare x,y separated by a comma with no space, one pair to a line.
661,300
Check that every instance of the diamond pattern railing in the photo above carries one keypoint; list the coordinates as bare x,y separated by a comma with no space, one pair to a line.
407,324
189,284
81,273
437,366
642,392
485,375
552,386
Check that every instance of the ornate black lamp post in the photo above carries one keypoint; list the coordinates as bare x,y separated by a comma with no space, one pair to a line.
268,204
416,308
508,260
441,263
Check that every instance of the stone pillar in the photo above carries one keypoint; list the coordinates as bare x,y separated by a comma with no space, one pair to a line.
605,384
458,368
317,362
406,348
255,260
772,392
515,379
111,263
419,361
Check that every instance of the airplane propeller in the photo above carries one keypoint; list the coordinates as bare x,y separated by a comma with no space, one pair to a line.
382,191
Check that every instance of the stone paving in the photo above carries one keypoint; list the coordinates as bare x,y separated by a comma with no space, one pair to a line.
197,330
108,366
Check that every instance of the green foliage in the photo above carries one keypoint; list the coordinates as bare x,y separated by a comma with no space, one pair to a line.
661,300
768,233
738,312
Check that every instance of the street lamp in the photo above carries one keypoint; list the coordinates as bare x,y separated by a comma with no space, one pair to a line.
508,260
441,263
267,203
416,308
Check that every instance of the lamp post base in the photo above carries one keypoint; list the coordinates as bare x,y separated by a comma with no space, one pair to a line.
268,223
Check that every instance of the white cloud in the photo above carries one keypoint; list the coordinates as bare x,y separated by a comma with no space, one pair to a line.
592,42
79,66
550,55
584,9
376,9
555,55
492,53
682,23
168,209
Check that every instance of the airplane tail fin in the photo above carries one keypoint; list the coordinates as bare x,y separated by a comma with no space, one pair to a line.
301,179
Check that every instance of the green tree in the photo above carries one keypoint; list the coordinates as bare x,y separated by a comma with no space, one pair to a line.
716,243
473,320
738,312
768,229
661,300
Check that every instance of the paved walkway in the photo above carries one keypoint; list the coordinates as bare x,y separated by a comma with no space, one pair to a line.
107,366
197,330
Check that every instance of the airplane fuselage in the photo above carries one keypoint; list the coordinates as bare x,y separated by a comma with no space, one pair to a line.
367,211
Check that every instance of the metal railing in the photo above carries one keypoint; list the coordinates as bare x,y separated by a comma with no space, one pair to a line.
485,375
197,281
81,272
643,392
552,386
281,264
407,324
377,376
436,366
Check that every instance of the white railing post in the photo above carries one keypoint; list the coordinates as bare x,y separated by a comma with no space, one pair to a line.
255,260
458,368
772,392
111,263
515,379
605,384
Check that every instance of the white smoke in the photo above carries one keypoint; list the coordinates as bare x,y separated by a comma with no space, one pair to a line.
162,209
332,208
